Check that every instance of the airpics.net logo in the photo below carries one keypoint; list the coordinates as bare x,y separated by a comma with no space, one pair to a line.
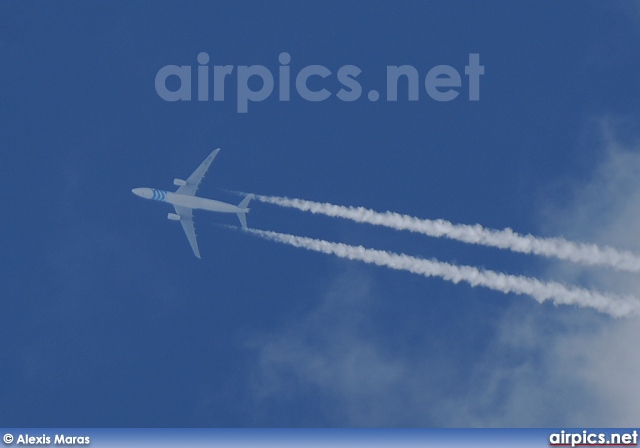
255,83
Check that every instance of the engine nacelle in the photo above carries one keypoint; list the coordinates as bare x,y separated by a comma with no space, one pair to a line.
173,217
179,182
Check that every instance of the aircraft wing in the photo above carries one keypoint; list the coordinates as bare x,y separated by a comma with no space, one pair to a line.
186,219
194,180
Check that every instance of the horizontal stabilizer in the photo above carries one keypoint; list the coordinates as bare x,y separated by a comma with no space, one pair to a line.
243,219
245,202
242,216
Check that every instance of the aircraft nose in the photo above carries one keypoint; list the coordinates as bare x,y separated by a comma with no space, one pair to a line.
142,192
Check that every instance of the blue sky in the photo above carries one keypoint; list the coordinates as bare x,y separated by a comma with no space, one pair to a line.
109,320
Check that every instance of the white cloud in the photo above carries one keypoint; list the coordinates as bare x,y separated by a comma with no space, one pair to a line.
328,351
586,371
606,210
331,365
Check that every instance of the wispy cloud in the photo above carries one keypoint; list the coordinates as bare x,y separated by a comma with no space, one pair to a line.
606,209
327,364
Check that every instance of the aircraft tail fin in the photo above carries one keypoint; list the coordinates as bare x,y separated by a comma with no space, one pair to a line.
242,216
245,201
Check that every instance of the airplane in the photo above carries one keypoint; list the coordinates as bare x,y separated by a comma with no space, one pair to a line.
184,200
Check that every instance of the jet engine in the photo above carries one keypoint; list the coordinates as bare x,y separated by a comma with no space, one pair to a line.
179,182
173,217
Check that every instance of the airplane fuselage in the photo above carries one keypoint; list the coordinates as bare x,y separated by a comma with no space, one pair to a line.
181,200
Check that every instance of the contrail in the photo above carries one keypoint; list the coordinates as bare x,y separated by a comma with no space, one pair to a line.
616,306
589,254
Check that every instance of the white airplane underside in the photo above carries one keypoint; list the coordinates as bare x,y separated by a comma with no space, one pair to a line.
184,200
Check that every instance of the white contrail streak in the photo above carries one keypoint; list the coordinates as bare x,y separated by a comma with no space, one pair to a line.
616,306
561,248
